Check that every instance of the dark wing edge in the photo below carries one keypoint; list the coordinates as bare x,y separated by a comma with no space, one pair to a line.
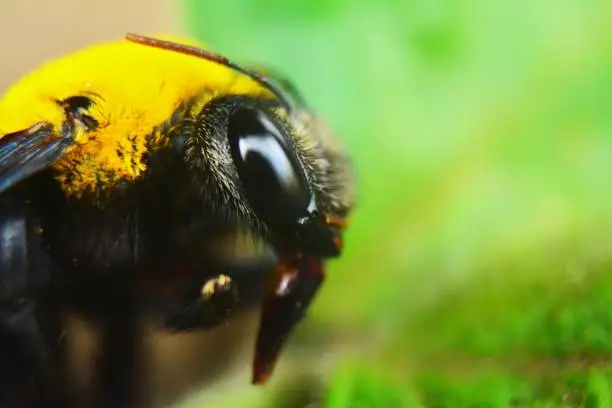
29,151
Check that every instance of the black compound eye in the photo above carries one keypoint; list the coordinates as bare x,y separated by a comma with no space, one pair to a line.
274,181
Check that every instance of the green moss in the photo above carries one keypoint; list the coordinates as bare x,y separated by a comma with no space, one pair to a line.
491,388
359,387
559,318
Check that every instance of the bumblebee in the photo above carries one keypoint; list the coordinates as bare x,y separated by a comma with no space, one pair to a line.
123,168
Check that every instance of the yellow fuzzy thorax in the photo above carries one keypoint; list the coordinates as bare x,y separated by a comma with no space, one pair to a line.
136,88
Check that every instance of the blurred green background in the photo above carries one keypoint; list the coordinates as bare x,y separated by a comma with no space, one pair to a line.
477,262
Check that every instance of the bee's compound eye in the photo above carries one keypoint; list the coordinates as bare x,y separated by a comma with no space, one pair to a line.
274,181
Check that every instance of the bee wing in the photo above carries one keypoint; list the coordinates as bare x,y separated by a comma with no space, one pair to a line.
29,151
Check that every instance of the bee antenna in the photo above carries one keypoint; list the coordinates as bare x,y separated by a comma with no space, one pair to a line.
217,58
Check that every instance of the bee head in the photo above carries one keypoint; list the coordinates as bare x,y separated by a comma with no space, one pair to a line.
266,165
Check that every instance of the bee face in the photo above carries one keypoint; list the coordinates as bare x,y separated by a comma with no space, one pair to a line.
279,175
